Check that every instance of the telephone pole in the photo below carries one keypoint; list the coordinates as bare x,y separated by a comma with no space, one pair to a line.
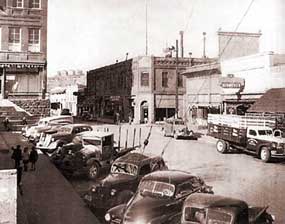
176,81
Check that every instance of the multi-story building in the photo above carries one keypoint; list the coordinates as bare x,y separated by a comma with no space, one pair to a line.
143,87
23,49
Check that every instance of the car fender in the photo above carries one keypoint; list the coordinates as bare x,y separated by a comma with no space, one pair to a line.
166,218
93,160
262,145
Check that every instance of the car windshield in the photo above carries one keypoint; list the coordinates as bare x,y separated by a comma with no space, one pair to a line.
265,132
156,189
198,215
95,142
65,129
124,168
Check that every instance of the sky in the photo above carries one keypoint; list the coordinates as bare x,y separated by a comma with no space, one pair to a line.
86,34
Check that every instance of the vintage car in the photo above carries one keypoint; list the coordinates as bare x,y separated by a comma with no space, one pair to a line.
122,182
33,132
98,152
50,140
158,199
208,209
175,127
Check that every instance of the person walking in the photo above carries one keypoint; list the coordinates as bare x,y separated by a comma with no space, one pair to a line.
17,155
19,179
6,124
33,158
26,158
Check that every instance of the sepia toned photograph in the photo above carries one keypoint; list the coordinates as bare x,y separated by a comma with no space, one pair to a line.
142,111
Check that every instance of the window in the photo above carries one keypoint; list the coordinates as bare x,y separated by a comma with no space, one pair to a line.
164,79
144,79
180,80
35,4
34,39
18,3
252,132
14,39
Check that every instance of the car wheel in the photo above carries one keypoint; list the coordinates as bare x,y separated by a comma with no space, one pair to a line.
222,146
93,171
265,154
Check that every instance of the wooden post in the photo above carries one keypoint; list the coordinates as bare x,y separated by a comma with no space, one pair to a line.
126,142
134,137
119,141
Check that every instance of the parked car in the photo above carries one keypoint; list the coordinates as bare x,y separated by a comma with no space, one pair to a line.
158,199
175,127
122,182
52,139
208,209
33,132
98,152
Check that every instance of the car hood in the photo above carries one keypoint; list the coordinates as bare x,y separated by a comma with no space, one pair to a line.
147,208
60,135
115,179
90,149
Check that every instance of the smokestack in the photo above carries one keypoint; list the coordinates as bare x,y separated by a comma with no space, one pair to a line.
181,43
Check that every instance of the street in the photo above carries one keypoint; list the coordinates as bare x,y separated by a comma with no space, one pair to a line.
235,175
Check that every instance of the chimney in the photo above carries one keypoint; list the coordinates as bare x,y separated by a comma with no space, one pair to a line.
181,43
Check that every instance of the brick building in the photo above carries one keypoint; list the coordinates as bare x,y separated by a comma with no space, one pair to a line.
23,50
143,87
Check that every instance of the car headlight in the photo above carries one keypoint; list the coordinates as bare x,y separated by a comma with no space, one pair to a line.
113,192
274,145
108,217
52,139
93,189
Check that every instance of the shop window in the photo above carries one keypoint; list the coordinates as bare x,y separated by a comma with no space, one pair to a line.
164,79
34,40
18,3
3,5
144,79
14,39
35,4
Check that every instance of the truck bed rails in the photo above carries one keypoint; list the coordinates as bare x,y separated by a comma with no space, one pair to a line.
230,134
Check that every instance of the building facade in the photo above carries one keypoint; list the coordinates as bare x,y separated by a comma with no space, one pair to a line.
23,49
142,88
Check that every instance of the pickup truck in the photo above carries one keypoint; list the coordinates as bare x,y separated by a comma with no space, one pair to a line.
252,135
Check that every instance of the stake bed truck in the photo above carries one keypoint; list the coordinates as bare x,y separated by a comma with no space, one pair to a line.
252,134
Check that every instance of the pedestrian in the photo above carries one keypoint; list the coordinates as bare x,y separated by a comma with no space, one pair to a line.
33,158
26,158
118,118
6,124
17,155
19,179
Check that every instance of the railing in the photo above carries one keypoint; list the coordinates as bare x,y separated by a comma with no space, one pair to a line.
9,56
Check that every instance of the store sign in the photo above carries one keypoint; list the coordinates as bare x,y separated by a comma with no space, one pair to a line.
231,84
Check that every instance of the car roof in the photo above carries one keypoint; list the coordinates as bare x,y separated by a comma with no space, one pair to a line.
135,158
259,128
76,125
170,176
203,200
100,134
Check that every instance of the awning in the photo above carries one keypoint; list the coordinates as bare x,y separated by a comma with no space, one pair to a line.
273,101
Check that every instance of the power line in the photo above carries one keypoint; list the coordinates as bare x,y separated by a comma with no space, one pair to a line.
190,16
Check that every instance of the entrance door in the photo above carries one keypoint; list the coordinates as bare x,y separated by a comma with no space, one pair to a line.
144,112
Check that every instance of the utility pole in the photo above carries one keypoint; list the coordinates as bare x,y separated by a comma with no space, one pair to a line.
176,81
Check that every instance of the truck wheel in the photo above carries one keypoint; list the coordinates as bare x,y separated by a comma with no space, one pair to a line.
265,154
93,171
222,146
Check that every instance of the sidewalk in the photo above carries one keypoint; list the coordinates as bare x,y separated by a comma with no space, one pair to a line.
47,196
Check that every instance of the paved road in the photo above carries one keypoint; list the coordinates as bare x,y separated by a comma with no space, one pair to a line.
235,175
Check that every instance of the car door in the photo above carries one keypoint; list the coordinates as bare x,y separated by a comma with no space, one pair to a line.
252,142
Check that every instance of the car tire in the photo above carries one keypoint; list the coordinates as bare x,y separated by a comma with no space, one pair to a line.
265,154
93,171
124,197
222,146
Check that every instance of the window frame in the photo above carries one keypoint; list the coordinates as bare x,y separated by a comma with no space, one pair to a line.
33,3
14,34
144,79
19,4
164,79
34,44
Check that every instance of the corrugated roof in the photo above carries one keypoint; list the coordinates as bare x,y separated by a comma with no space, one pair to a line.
273,101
